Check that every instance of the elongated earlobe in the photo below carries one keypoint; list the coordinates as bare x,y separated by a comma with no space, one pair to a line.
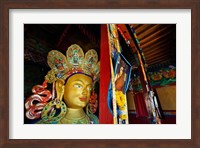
60,89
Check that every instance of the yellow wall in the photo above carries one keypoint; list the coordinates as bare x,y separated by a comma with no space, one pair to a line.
167,97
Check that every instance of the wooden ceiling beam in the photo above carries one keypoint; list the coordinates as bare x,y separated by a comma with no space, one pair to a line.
163,42
156,46
155,40
149,31
158,52
166,56
156,49
155,34
159,62
135,26
142,28
63,36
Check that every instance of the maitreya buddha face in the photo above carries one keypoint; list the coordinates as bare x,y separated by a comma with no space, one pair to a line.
77,91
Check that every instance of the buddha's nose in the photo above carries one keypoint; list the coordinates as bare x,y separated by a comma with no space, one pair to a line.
84,91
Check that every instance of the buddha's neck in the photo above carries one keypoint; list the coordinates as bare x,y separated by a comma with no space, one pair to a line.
74,115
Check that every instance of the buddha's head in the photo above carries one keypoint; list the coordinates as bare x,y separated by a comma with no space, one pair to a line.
74,76
76,90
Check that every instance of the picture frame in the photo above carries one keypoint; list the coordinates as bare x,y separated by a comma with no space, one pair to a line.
6,6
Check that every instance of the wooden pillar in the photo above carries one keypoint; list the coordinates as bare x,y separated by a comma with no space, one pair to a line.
142,79
105,116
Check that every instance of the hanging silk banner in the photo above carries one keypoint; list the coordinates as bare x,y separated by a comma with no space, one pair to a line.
120,75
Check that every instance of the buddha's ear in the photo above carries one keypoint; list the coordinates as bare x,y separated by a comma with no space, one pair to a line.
60,88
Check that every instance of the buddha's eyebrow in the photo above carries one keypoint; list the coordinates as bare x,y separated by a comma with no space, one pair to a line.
86,83
79,81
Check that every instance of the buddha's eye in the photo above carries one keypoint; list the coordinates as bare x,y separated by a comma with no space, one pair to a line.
78,86
89,88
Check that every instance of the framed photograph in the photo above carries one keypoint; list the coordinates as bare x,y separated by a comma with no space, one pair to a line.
14,14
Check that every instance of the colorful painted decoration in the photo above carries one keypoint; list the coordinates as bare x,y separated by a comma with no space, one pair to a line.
114,40
162,76
140,49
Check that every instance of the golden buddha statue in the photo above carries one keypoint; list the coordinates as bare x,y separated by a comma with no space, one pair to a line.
73,78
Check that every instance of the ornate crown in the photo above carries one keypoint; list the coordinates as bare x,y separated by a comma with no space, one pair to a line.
75,62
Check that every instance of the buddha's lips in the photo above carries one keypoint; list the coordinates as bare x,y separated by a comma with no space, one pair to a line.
82,99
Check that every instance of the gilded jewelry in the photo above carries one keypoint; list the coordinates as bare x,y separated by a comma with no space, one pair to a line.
74,62
49,114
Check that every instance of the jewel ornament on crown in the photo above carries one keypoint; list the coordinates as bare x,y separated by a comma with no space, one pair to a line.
62,67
